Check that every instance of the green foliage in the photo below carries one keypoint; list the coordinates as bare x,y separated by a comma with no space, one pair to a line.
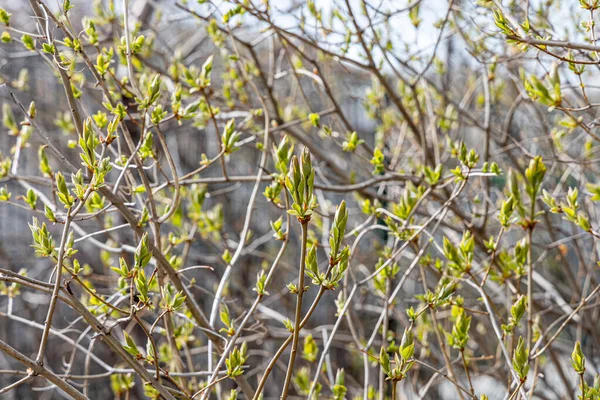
378,162
230,137
426,221
402,359
516,313
5,17
459,336
460,257
578,360
131,347
42,240
299,182
310,350
142,253
352,142
227,321
63,191
520,360
236,361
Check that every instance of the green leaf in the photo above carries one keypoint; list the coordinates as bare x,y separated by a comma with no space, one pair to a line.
314,119
577,359
130,345
5,17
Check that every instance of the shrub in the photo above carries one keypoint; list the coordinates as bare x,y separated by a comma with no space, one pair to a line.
207,211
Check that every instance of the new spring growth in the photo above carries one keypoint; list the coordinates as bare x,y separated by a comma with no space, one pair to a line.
49,214
204,79
233,395
279,234
570,208
339,389
230,137
549,93
63,191
402,359
123,269
282,155
131,347
142,254
460,258
460,332
226,320
44,164
299,182
336,235
141,284
534,174
87,143
578,360
521,360
442,295
42,240
310,350
78,184
5,17
152,93
171,301
513,186
4,194
352,142
9,121
337,271
261,283
31,198
516,313
236,361
506,211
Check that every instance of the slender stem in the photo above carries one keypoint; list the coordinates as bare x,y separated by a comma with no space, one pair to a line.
250,313
296,333
57,285
512,396
464,360
529,287
536,366
384,332
59,266
16,384
285,344
443,349
128,47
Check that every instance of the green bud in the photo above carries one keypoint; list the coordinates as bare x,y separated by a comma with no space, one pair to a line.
384,360
521,360
142,255
336,235
28,42
130,346
4,17
49,214
63,191
311,350
534,175
314,119
577,359
8,119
